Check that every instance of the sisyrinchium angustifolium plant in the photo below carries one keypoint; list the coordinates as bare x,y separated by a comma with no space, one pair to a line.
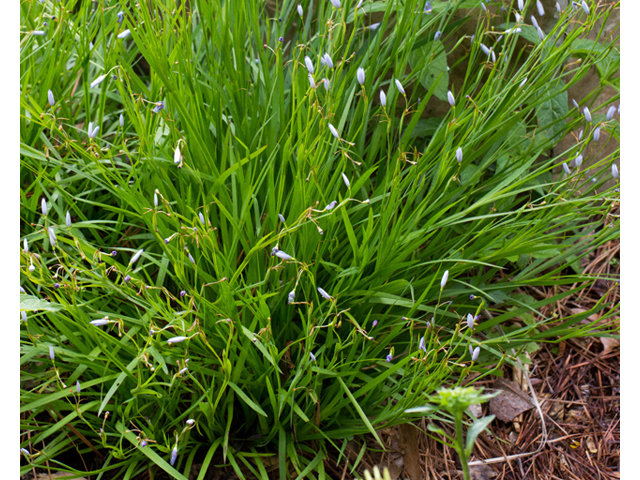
244,238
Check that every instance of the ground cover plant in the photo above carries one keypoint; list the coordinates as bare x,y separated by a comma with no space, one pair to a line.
245,242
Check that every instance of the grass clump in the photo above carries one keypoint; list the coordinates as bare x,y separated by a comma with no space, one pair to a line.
246,260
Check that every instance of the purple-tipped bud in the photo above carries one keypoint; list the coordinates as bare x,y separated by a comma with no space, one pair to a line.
428,9
336,3
400,87
43,206
472,296
596,134
22,289
422,345
331,206
52,236
25,452
534,22
580,135
68,219
346,180
191,259
312,82
470,321
459,154
451,98
183,293
281,217
558,7
578,161
97,81
309,64
127,278
52,354
389,358
94,132
611,112
201,217
476,354
383,99
24,316
124,34
485,49
31,268
374,26
484,7
191,421
360,75
324,294
174,455
445,277
521,5
523,82
575,104
614,171
283,256
291,297
143,443
587,114
540,8
78,387
100,322
176,340
135,258
120,16
585,7
25,245
540,33
56,285
121,120
326,84
300,11
177,155
38,33
328,60
333,131
375,322
437,36
51,99
312,357
493,56
566,169
113,253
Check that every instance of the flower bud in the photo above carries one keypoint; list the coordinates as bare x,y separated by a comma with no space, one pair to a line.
124,34
78,387
52,354
97,81
24,316
122,120
578,161
587,114
311,81
281,217
291,297
283,256
135,258
68,219
346,180
614,171
400,87
437,36
300,11
336,3
51,99
43,206
452,100
611,112
312,357
389,358
360,75
596,134
328,61
100,322
585,7
459,154
176,340
383,99
476,354
324,294
470,321
174,455
445,277
309,64
52,236
334,132
540,8
331,206
566,169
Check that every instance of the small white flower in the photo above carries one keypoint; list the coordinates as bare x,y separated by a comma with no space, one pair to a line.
587,114
24,315
177,155
176,340
121,120
309,64
334,132
191,421
78,387
580,134
534,22
611,112
328,60
291,297
445,277
470,321
68,219
345,179
575,104
331,206
326,84
100,322
566,169
476,354
585,7
201,217
578,161
283,255
400,87
520,5
374,26
97,81
324,294
450,97
336,3
94,132
43,206
300,11
135,258
311,81
614,171
558,7
523,82
52,354
459,154
383,99
281,217
52,100
312,356
52,236
124,34
360,75
540,8
596,134
540,33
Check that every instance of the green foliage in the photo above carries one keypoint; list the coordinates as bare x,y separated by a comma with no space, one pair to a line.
240,157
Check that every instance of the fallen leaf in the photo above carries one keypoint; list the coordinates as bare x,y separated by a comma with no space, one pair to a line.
511,401
609,344
482,472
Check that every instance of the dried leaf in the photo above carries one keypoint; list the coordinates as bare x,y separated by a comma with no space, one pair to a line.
609,344
511,402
